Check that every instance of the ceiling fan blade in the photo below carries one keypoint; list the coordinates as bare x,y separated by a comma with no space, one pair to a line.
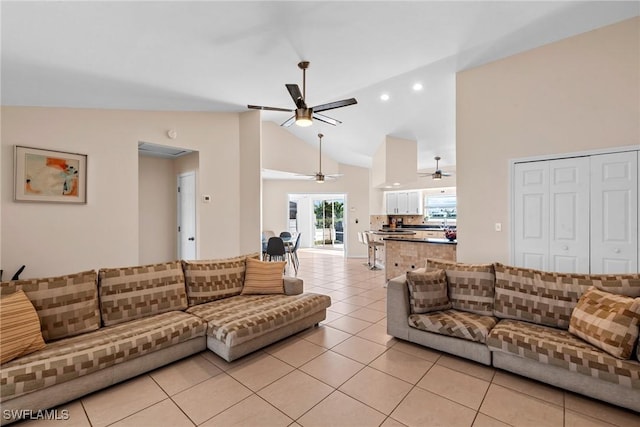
336,104
296,95
289,122
326,119
260,107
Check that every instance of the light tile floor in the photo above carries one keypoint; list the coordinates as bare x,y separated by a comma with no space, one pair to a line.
346,372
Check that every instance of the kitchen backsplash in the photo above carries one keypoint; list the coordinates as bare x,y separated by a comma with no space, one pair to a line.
377,222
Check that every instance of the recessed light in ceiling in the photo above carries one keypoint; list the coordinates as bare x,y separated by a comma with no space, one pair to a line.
396,184
417,87
384,97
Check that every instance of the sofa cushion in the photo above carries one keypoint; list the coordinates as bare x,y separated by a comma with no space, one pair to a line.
74,357
263,278
471,286
608,321
131,293
620,284
19,327
66,305
537,296
560,348
427,291
239,319
454,323
214,279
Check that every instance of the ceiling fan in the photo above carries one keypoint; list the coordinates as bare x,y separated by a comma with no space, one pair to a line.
319,177
438,174
304,115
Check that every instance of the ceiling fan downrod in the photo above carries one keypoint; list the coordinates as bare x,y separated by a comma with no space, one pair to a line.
303,66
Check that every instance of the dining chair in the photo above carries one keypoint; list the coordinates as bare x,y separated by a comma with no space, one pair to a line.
285,234
275,249
293,253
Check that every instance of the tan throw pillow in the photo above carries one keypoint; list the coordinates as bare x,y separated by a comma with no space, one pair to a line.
19,327
608,321
428,291
263,277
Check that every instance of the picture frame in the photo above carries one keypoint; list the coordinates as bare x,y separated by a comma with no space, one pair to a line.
49,176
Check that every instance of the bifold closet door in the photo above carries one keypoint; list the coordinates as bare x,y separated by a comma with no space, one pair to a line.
614,213
551,214
531,215
569,215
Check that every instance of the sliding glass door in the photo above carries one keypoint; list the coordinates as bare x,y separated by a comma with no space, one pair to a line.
329,223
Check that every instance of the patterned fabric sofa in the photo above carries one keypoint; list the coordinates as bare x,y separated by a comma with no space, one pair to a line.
104,327
574,331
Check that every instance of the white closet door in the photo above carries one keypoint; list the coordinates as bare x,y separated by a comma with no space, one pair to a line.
531,215
614,213
569,215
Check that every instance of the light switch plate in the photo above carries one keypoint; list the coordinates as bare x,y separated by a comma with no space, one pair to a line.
206,198
498,226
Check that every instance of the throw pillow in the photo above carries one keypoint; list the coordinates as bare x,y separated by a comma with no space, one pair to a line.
19,327
263,277
428,291
471,286
608,321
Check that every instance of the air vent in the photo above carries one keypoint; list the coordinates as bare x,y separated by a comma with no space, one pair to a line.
148,149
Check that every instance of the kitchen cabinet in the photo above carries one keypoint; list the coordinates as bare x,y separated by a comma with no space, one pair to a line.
404,203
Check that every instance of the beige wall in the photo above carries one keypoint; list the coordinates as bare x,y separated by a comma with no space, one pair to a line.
157,206
57,239
250,182
578,94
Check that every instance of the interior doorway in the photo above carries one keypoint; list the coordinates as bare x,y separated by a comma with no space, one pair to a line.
187,248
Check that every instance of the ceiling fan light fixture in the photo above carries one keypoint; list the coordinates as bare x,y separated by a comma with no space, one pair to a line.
320,178
303,117
437,175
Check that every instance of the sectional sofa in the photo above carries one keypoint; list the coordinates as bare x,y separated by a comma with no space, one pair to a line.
86,331
574,331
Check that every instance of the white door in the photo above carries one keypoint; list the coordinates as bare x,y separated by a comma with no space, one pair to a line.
569,215
187,216
531,215
614,213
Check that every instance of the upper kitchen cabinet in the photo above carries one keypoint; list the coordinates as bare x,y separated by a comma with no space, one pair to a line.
404,203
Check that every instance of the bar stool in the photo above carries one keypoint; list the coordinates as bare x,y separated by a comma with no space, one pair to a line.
371,244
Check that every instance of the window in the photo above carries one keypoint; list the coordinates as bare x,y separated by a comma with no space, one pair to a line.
440,208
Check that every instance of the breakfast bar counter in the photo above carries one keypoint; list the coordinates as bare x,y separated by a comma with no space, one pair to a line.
404,254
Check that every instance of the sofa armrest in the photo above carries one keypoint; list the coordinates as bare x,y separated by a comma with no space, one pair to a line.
398,309
293,285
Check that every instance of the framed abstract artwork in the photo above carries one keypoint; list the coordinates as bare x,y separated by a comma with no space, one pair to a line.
50,176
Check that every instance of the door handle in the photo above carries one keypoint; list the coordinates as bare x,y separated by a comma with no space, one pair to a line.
191,239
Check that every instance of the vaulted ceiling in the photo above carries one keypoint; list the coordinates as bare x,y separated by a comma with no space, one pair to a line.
221,56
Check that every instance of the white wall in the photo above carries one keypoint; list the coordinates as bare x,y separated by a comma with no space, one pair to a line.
581,93
58,239
157,206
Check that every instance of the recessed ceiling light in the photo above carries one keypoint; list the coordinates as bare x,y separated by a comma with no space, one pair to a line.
417,87
395,184
384,97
